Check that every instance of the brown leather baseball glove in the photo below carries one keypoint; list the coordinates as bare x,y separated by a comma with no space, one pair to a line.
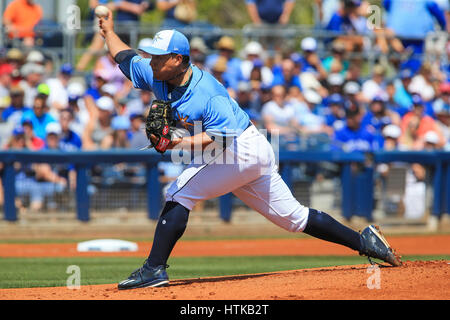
159,123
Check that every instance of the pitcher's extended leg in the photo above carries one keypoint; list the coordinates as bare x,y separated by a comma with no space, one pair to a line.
270,196
170,228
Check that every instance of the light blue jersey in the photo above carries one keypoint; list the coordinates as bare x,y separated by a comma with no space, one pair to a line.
204,100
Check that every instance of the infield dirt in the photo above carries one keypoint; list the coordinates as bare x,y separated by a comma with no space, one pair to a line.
414,280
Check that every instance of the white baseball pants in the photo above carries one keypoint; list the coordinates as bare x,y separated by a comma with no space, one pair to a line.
248,169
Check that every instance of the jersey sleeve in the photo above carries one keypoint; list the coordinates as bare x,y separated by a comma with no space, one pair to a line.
141,73
219,118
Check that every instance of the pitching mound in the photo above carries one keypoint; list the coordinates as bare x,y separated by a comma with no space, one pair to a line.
414,280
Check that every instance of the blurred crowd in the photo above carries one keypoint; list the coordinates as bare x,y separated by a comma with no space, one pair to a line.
319,95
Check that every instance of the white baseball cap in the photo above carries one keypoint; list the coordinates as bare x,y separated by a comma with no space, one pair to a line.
105,103
312,96
253,47
35,57
199,44
53,127
309,44
392,131
431,137
76,89
335,79
352,87
109,88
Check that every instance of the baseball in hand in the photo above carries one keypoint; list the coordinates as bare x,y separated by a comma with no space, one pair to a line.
101,11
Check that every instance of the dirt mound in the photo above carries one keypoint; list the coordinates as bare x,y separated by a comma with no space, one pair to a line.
417,280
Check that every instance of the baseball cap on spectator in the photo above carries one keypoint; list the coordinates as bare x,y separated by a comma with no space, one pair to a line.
312,96
444,87
198,44
258,63
168,41
16,90
75,90
352,87
35,57
6,69
379,99
379,70
27,119
253,48
244,86
309,44
220,65
417,100
135,115
105,103
66,68
264,87
43,88
226,43
30,68
14,54
392,131
53,128
296,58
109,88
338,47
431,137
335,79
336,99
406,74
120,123
18,130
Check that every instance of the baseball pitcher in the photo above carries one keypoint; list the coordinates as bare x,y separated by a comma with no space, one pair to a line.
187,95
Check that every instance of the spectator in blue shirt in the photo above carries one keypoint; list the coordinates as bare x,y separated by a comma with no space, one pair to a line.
38,116
402,96
269,11
391,104
348,22
129,13
232,75
69,140
335,117
378,116
412,20
284,75
353,136
14,112
310,61
131,10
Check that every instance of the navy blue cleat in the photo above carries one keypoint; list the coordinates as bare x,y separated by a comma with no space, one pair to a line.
376,246
146,276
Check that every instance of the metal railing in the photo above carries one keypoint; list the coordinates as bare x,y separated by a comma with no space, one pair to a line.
357,187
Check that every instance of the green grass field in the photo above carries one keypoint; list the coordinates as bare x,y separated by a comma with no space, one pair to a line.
48,272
